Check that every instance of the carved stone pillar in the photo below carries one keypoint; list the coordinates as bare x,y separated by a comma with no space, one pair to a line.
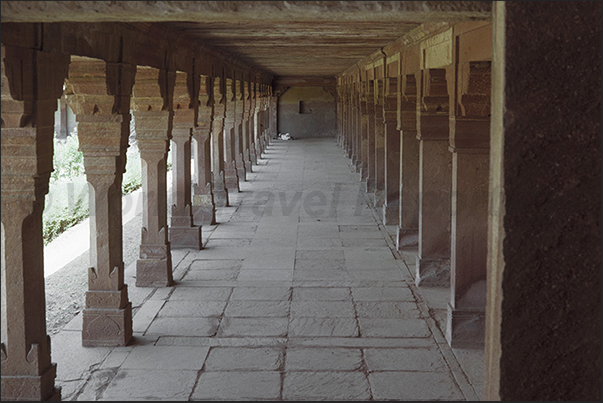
391,204
253,158
354,129
32,82
379,197
433,259
257,126
239,139
204,208
245,125
231,179
103,131
153,120
345,120
183,233
363,130
470,146
370,134
217,142
273,116
408,224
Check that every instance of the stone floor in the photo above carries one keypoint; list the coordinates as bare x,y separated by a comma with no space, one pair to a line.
297,295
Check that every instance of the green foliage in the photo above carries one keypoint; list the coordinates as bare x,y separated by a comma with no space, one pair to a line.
67,160
67,199
132,178
66,205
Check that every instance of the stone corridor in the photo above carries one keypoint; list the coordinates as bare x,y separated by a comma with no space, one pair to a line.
296,295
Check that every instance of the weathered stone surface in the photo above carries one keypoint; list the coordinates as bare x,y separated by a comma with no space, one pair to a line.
244,359
326,385
243,385
402,385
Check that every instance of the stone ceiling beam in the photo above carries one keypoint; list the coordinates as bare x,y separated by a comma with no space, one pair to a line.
229,11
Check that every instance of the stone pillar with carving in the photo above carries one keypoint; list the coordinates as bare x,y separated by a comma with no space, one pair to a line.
246,140
379,196
32,81
370,134
391,203
217,142
257,126
435,164
470,147
231,178
363,130
153,117
253,157
273,116
103,131
354,127
239,139
408,222
204,208
183,232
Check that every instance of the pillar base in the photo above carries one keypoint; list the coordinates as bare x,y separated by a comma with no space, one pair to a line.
253,157
432,272
379,198
408,238
465,328
248,167
204,214
221,198
186,237
231,177
370,185
358,166
154,272
391,214
31,388
241,173
106,327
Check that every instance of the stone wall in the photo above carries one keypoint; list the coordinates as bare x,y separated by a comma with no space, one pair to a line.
307,112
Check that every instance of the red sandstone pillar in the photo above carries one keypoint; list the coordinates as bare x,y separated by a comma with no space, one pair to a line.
239,139
183,233
371,152
204,208
153,118
433,259
391,204
470,146
408,225
231,179
379,195
245,125
253,157
219,113
32,82
363,123
103,131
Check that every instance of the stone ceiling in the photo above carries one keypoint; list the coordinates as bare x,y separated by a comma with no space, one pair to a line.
285,38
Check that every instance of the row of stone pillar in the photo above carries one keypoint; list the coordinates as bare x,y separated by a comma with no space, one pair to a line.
230,123
421,146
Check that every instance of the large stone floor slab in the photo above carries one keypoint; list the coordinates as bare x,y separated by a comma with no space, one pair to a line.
296,295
